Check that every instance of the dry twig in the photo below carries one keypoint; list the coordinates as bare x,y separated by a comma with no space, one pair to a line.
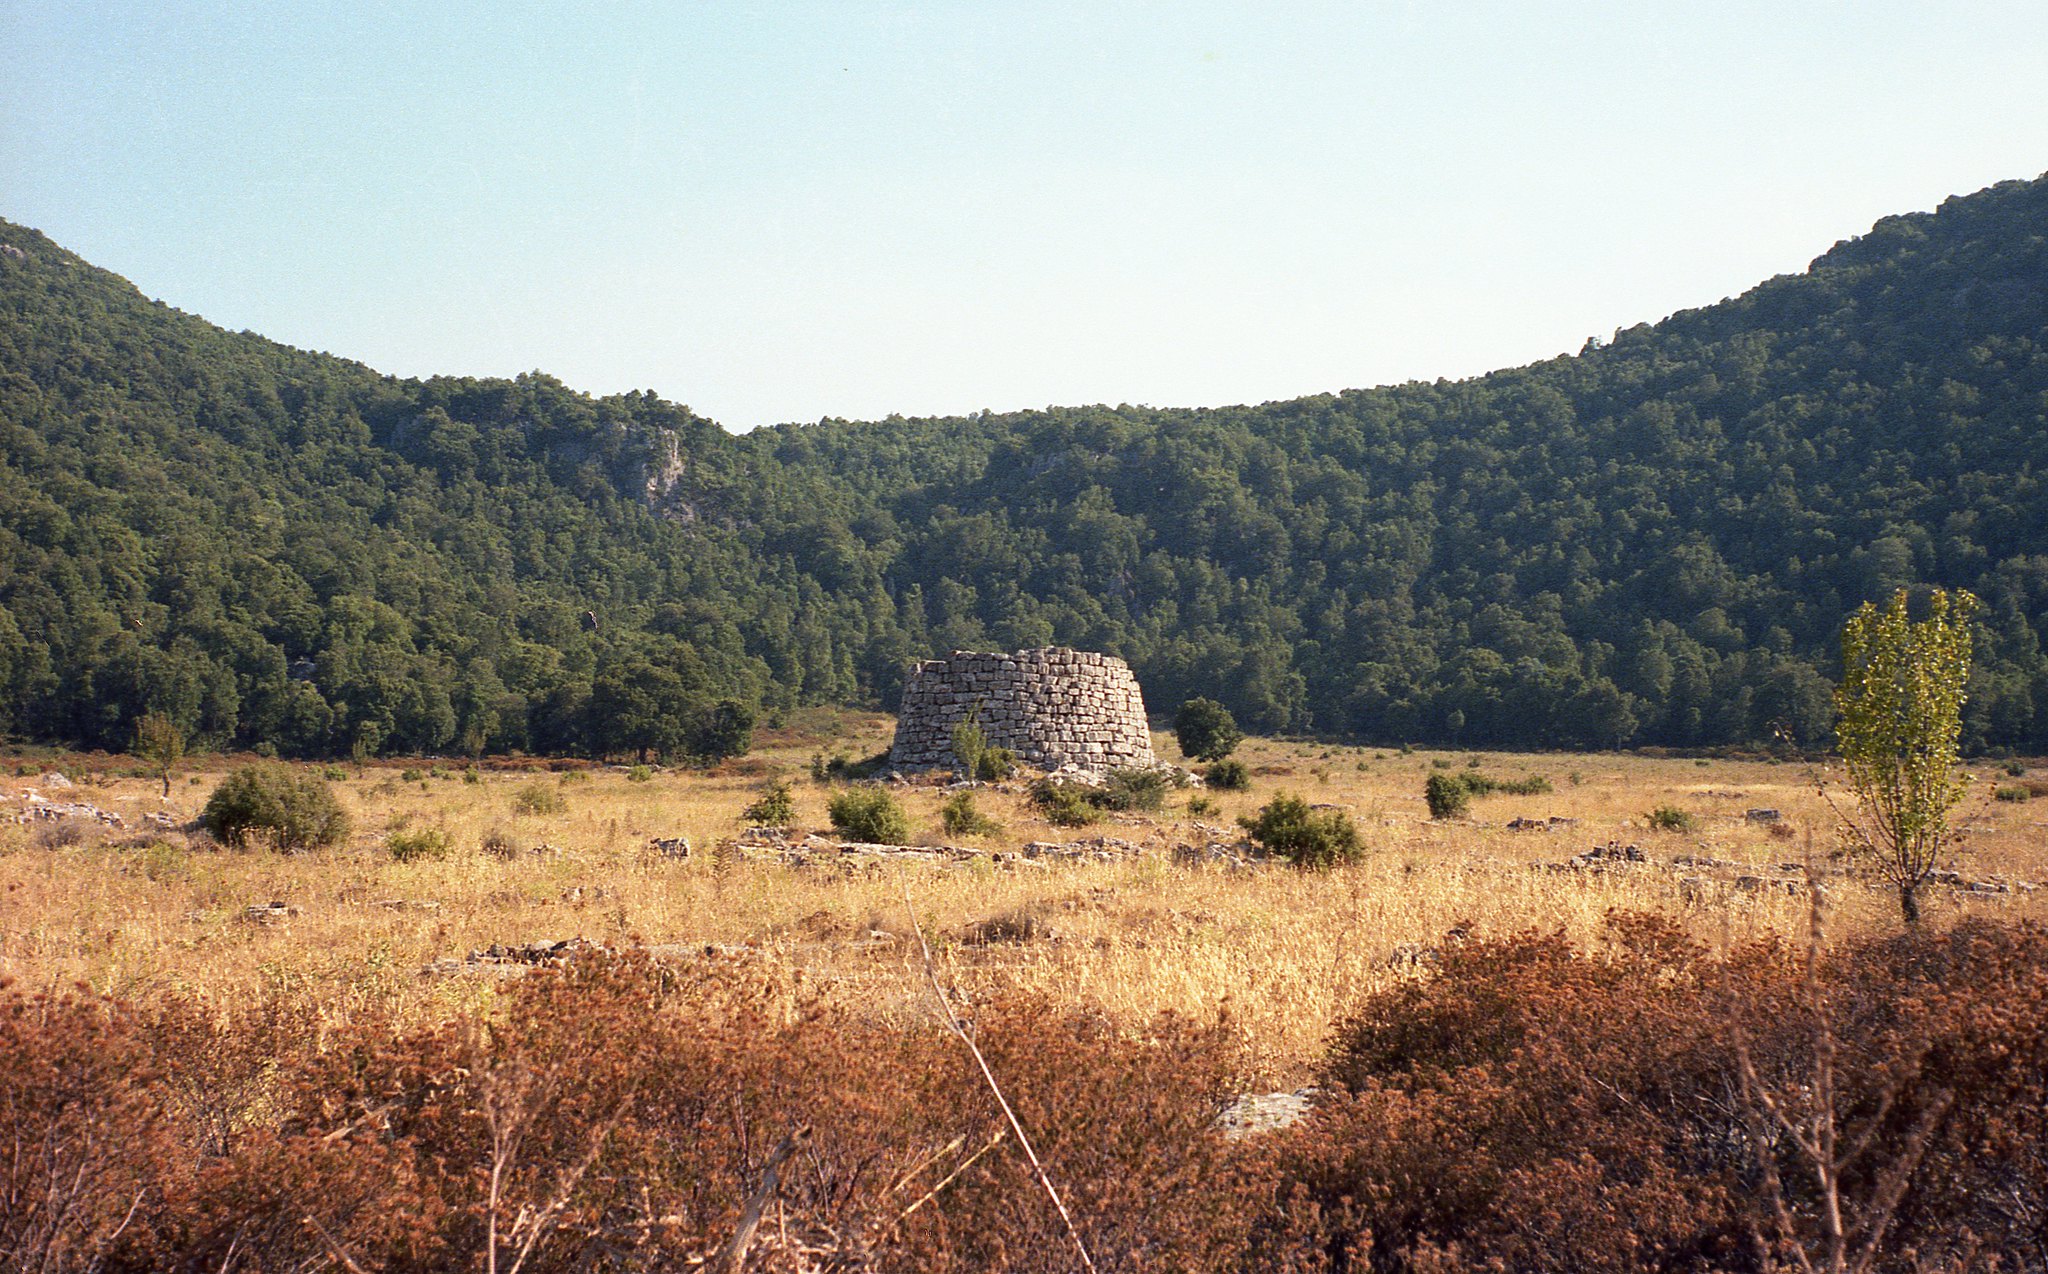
953,1022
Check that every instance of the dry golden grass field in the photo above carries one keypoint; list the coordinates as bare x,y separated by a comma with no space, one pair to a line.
139,914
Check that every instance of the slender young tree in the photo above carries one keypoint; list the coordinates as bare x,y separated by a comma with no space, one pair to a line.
159,741
1899,714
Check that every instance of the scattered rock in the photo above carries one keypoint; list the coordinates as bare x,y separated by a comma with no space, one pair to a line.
1010,927
1257,1113
1236,855
1100,849
670,846
269,914
512,958
1761,816
1613,852
39,810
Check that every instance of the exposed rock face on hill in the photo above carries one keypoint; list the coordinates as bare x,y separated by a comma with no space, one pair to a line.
1053,707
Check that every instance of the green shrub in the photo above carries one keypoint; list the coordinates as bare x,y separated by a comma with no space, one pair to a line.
969,742
1124,790
996,764
961,818
1669,818
410,775
334,774
869,813
410,847
838,766
1202,807
472,775
1205,730
1064,804
776,808
1448,796
538,798
2012,794
1307,837
2015,768
1228,776
639,774
292,810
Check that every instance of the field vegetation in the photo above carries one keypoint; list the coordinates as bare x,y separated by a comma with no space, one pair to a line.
1514,1057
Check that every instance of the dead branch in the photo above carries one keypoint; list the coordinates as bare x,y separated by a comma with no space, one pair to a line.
734,1255
1016,1126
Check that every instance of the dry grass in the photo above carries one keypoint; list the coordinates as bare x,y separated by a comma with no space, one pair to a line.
1282,953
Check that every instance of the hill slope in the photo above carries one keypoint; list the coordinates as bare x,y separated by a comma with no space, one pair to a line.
1654,541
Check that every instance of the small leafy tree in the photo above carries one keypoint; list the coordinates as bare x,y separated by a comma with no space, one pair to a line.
160,742
961,818
1899,721
1205,730
722,729
776,808
1449,796
1064,804
1305,836
995,765
293,809
1670,818
1228,776
428,843
869,813
970,744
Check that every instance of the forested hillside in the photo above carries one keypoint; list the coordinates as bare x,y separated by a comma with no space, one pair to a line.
1653,541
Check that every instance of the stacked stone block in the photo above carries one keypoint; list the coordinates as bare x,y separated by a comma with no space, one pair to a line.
1053,707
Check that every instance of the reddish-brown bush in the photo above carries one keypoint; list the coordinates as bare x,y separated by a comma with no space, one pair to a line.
88,1151
1528,1106
1536,1107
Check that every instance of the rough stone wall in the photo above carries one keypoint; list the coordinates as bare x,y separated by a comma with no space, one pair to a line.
1051,706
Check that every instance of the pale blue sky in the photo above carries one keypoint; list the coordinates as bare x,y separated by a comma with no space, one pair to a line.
786,211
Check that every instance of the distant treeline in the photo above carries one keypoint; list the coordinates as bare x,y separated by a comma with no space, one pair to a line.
1654,542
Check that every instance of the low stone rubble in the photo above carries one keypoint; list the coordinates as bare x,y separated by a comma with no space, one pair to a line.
809,849
270,914
1550,824
1599,860
1255,1113
515,958
38,808
1707,877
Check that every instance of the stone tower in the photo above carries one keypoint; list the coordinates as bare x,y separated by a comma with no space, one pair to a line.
1051,706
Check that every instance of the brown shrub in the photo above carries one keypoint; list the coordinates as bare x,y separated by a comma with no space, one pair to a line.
1537,1107
1527,1106
90,1153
